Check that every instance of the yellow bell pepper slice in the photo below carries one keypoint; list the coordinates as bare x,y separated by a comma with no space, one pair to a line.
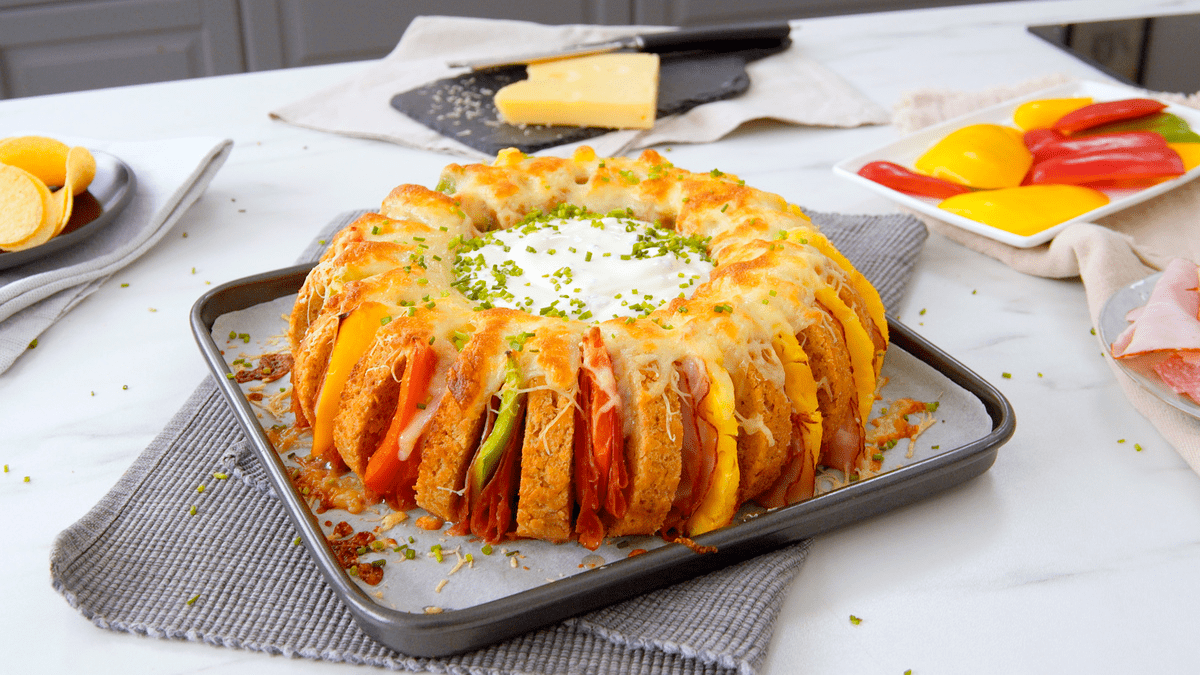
355,336
985,156
1188,152
1028,209
1043,113
719,504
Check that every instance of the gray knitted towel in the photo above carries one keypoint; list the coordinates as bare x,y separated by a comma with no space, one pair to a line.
230,574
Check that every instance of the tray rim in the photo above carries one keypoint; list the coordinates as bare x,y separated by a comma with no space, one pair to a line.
452,632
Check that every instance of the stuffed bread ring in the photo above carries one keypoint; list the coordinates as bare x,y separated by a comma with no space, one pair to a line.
556,425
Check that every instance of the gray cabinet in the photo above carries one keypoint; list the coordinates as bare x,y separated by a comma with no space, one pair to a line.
287,33
709,12
52,46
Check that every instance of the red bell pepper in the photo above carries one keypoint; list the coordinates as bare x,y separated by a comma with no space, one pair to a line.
1109,111
899,178
1132,141
1122,165
1037,139
387,473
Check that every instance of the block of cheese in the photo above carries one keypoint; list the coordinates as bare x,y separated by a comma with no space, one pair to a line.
617,91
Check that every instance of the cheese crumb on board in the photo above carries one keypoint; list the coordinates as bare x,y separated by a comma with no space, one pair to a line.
617,91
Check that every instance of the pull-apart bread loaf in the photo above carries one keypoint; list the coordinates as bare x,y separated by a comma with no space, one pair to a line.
426,365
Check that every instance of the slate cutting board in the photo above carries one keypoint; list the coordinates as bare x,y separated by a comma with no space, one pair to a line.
462,107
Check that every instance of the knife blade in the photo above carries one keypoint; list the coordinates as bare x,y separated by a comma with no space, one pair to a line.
707,39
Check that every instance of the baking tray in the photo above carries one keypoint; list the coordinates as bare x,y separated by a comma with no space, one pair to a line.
494,619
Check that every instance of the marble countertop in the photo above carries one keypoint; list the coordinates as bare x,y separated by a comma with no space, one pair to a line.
1074,553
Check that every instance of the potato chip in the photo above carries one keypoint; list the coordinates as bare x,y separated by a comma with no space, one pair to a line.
43,157
66,205
22,206
80,169
51,215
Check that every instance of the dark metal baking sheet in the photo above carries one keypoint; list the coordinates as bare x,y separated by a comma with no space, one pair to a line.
459,630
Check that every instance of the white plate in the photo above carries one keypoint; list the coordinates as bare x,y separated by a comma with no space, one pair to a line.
906,150
1139,368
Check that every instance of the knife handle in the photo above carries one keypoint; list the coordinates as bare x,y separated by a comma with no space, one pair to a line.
717,38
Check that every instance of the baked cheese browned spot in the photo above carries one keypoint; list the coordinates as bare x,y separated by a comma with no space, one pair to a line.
424,210
369,400
547,457
761,455
653,453
842,435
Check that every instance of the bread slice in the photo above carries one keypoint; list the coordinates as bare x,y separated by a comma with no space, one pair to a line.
653,451
764,436
547,465
453,434
842,436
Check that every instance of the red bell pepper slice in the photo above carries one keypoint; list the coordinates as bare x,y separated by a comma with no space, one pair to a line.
491,514
1124,165
601,476
1131,141
1109,111
899,178
1037,140
388,473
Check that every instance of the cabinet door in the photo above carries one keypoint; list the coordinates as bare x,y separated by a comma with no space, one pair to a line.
287,33
57,47
709,12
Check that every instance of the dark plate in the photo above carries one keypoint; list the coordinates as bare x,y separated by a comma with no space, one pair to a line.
472,627
109,193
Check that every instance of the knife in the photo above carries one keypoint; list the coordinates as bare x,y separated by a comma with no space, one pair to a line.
708,39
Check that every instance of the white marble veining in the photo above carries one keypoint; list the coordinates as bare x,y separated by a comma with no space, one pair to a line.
1074,553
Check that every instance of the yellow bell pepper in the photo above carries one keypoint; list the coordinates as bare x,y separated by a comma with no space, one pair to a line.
1028,209
983,156
354,337
1189,153
1043,113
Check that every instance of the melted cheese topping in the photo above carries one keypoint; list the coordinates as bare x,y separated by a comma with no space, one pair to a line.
587,268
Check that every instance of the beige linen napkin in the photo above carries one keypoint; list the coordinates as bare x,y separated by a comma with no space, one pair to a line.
1108,255
789,87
